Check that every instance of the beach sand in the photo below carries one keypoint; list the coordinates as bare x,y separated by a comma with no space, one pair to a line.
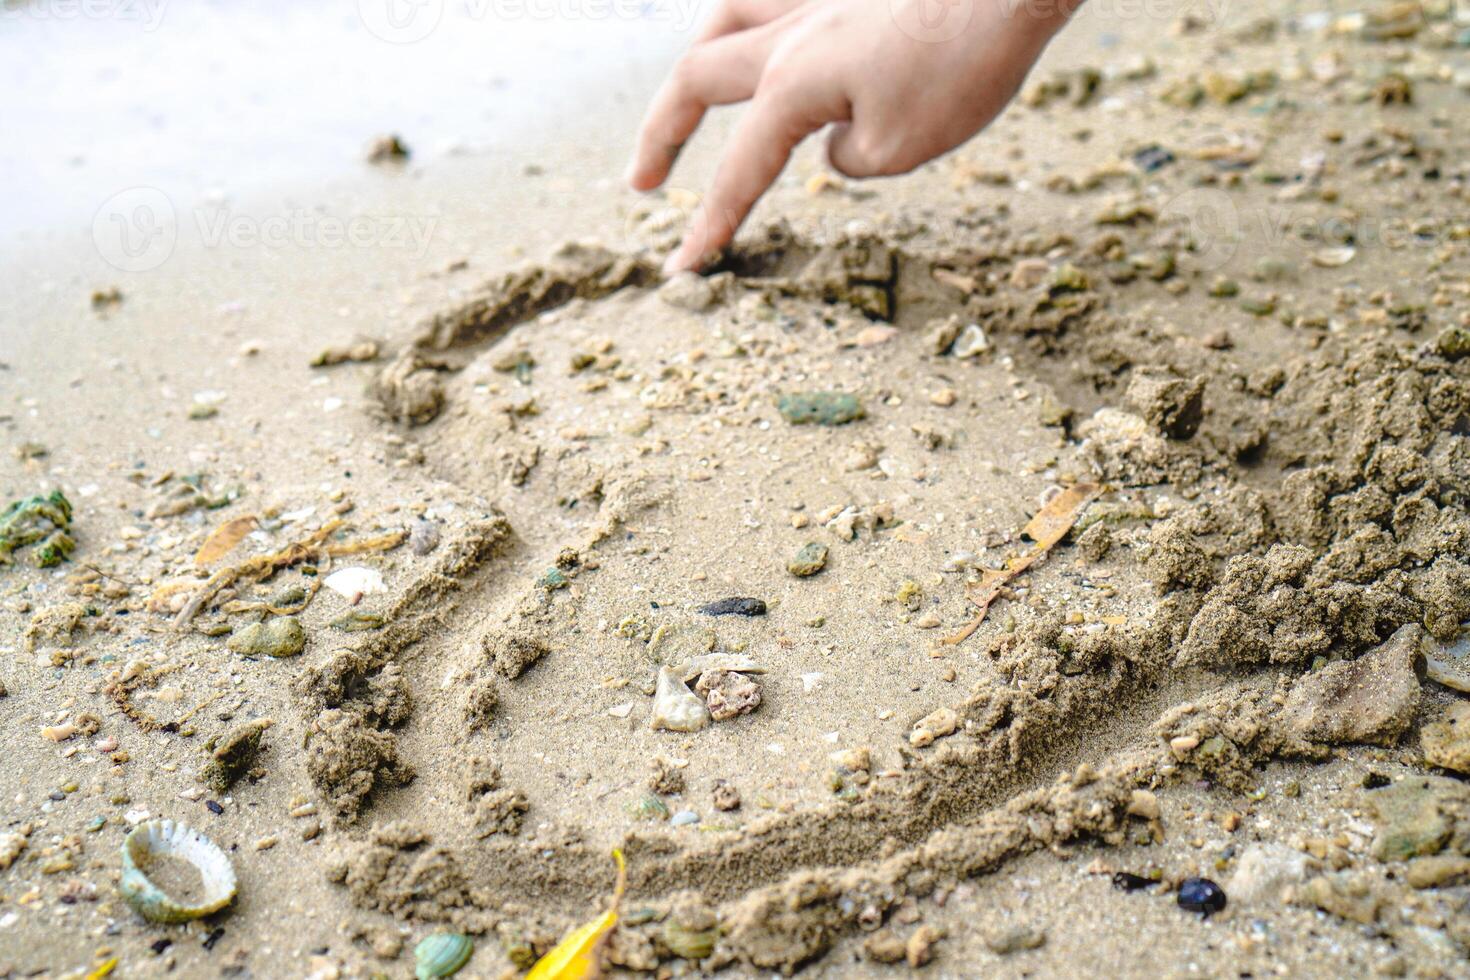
1215,269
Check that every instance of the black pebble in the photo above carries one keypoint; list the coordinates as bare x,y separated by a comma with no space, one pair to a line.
1152,158
734,606
215,935
160,945
1375,780
214,807
1127,881
1201,895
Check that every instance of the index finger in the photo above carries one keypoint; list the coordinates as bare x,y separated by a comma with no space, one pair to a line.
758,151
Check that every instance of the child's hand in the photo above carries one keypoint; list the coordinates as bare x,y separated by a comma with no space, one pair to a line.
904,80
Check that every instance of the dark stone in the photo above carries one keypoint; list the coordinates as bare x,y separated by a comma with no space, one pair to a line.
1152,158
734,606
1201,895
1126,881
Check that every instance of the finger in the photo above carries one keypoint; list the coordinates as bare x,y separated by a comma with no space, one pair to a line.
852,152
867,148
741,15
758,151
716,72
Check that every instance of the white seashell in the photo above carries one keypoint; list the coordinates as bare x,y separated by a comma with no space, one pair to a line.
1449,664
354,583
157,838
737,662
1331,258
972,341
675,707
1451,673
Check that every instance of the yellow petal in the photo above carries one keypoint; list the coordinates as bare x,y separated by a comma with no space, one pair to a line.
102,970
579,955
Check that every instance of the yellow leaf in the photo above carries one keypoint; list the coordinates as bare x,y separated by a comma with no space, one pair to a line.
1049,526
579,955
222,540
103,969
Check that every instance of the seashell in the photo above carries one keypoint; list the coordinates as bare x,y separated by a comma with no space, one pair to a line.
737,662
155,839
441,954
1449,665
354,583
1450,673
675,707
691,933
1331,258
971,341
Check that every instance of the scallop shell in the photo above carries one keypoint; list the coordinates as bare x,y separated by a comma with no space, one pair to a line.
675,707
166,837
441,954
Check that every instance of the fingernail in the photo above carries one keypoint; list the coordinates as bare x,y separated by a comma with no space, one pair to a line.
674,263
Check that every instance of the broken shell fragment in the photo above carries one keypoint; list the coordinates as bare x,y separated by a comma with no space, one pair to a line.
737,662
933,726
354,583
1448,672
147,852
690,941
441,954
11,844
728,694
675,707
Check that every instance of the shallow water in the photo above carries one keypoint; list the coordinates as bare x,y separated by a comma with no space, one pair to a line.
206,100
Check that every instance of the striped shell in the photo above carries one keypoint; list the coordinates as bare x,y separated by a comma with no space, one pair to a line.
153,838
441,954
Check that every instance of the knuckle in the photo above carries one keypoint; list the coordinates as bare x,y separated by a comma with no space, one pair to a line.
686,75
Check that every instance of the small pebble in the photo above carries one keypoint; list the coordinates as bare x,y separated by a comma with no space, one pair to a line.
1127,881
1201,895
684,817
734,606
